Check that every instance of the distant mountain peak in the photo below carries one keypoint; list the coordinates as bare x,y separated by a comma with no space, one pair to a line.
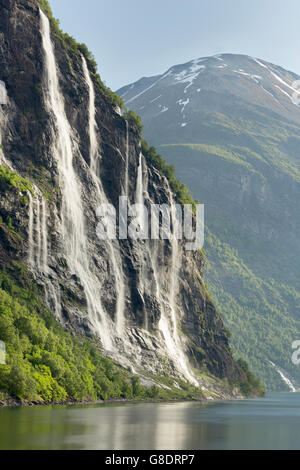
243,77
230,124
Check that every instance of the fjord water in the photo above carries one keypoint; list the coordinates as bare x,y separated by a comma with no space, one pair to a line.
270,423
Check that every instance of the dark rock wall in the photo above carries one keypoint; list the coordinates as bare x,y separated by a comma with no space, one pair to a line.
26,139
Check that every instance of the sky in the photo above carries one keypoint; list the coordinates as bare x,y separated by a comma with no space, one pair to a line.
139,38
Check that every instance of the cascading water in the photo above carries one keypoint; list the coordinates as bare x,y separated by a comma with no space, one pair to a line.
176,258
94,166
37,234
73,231
285,379
139,194
127,158
139,200
168,322
173,337
30,232
73,227
44,235
38,249
3,159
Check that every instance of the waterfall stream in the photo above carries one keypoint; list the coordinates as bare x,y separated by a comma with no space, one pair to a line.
38,249
168,321
30,232
169,317
73,231
139,200
180,356
94,167
285,379
3,159
127,158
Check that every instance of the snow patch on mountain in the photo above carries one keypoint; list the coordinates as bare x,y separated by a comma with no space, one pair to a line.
164,109
183,104
269,93
149,87
294,97
155,99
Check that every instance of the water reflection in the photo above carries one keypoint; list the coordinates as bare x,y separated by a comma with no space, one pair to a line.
272,423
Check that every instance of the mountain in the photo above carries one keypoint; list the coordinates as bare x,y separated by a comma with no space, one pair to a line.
83,317
231,126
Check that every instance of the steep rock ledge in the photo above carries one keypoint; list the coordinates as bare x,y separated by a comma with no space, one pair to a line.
26,129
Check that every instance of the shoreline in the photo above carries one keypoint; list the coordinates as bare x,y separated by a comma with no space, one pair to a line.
16,403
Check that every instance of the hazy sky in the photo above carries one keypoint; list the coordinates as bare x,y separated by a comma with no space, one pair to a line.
136,38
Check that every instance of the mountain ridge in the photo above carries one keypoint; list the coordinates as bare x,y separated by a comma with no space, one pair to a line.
65,150
232,122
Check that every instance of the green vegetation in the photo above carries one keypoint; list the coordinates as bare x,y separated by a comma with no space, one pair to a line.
254,281
134,120
257,311
180,190
253,385
215,151
43,181
11,179
7,229
75,49
46,363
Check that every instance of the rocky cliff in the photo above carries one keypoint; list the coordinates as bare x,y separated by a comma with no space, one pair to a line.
230,125
65,149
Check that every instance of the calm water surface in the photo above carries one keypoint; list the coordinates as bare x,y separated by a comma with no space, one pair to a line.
270,423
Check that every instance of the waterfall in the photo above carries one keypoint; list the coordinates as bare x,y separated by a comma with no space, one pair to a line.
285,379
92,120
38,249
180,356
44,236
37,239
94,167
73,227
41,238
139,199
30,233
139,192
38,236
2,157
168,321
74,238
127,158
174,269
3,160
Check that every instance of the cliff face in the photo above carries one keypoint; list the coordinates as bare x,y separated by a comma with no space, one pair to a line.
145,300
230,125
